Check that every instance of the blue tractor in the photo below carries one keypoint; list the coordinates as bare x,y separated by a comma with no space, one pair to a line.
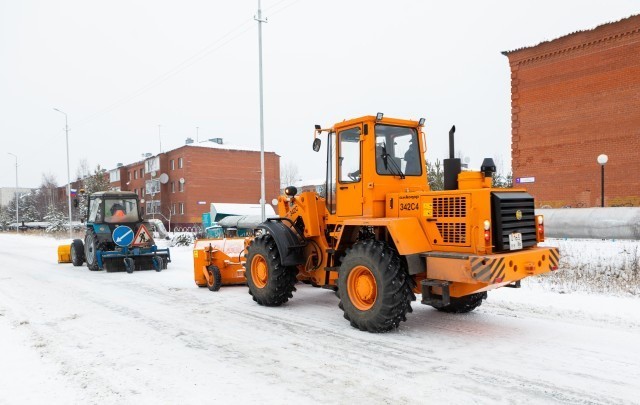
117,238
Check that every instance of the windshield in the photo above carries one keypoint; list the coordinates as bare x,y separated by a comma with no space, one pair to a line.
121,210
397,151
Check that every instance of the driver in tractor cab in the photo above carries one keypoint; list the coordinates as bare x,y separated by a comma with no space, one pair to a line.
118,213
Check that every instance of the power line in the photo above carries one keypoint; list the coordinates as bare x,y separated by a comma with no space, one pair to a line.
193,59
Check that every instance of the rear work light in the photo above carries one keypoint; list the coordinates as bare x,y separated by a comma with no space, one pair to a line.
539,228
487,229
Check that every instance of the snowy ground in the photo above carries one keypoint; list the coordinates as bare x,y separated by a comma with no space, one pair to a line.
68,335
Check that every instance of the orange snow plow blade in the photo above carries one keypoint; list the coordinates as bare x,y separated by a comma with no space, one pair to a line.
64,254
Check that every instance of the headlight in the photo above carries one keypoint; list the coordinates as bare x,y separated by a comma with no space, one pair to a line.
487,225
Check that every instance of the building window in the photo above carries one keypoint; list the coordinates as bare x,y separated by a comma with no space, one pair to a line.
173,186
173,209
152,186
141,173
179,163
129,175
114,175
135,174
153,207
180,187
172,164
181,208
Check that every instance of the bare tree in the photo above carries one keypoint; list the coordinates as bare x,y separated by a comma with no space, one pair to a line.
289,174
83,171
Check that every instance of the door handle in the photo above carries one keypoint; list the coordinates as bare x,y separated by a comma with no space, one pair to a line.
344,187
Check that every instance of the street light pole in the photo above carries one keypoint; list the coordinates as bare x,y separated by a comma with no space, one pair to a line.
16,190
262,186
602,160
66,129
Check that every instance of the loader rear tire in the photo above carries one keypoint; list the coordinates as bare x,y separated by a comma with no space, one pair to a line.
215,278
90,247
77,253
462,305
270,283
374,287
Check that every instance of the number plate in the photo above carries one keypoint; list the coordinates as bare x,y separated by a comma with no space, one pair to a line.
515,241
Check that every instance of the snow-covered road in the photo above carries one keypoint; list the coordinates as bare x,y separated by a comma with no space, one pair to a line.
68,335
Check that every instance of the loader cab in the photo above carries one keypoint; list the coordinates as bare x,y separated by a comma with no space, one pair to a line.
113,208
369,157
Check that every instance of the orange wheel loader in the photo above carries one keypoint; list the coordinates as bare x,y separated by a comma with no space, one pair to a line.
378,235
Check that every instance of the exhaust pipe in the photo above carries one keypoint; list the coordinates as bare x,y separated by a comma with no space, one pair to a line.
452,166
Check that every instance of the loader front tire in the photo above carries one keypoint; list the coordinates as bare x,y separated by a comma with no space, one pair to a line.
270,283
374,287
77,253
462,305
90,248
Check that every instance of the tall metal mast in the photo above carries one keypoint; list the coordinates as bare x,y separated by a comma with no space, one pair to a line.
262,185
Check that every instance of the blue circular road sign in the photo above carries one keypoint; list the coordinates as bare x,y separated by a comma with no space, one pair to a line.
123,236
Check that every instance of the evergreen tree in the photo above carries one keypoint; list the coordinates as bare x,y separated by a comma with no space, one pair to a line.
56,219
5,218
502,181
435,175
98,181
27,209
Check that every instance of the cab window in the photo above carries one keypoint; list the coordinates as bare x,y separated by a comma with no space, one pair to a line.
121,210
349,160
397,151
95,210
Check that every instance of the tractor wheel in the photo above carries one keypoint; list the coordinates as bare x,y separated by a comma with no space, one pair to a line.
374,287
129,264
270,283
461,305
90,247
77,252
215,278
158,263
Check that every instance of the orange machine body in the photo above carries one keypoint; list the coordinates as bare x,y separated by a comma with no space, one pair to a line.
443,235
227,255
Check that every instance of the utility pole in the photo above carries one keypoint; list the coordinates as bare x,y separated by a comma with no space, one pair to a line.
16,193
262,186
66,129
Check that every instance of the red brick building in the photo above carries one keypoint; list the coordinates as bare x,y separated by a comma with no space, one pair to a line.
572,99
182,183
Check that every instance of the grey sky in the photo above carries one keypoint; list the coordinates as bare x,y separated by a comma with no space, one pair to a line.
324,61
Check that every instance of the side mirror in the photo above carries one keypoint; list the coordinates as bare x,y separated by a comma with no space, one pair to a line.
316,144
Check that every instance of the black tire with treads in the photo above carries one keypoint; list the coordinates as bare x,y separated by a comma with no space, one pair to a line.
215,278
280,280
77,253
393,287
462,305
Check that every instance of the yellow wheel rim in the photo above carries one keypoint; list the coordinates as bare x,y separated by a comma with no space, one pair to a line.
362,288
259,271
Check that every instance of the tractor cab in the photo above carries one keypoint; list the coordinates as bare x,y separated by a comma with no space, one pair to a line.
369,157
113,208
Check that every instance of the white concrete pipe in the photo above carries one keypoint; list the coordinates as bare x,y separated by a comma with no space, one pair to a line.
595,223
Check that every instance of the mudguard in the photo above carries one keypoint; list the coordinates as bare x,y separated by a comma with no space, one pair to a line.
289,243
